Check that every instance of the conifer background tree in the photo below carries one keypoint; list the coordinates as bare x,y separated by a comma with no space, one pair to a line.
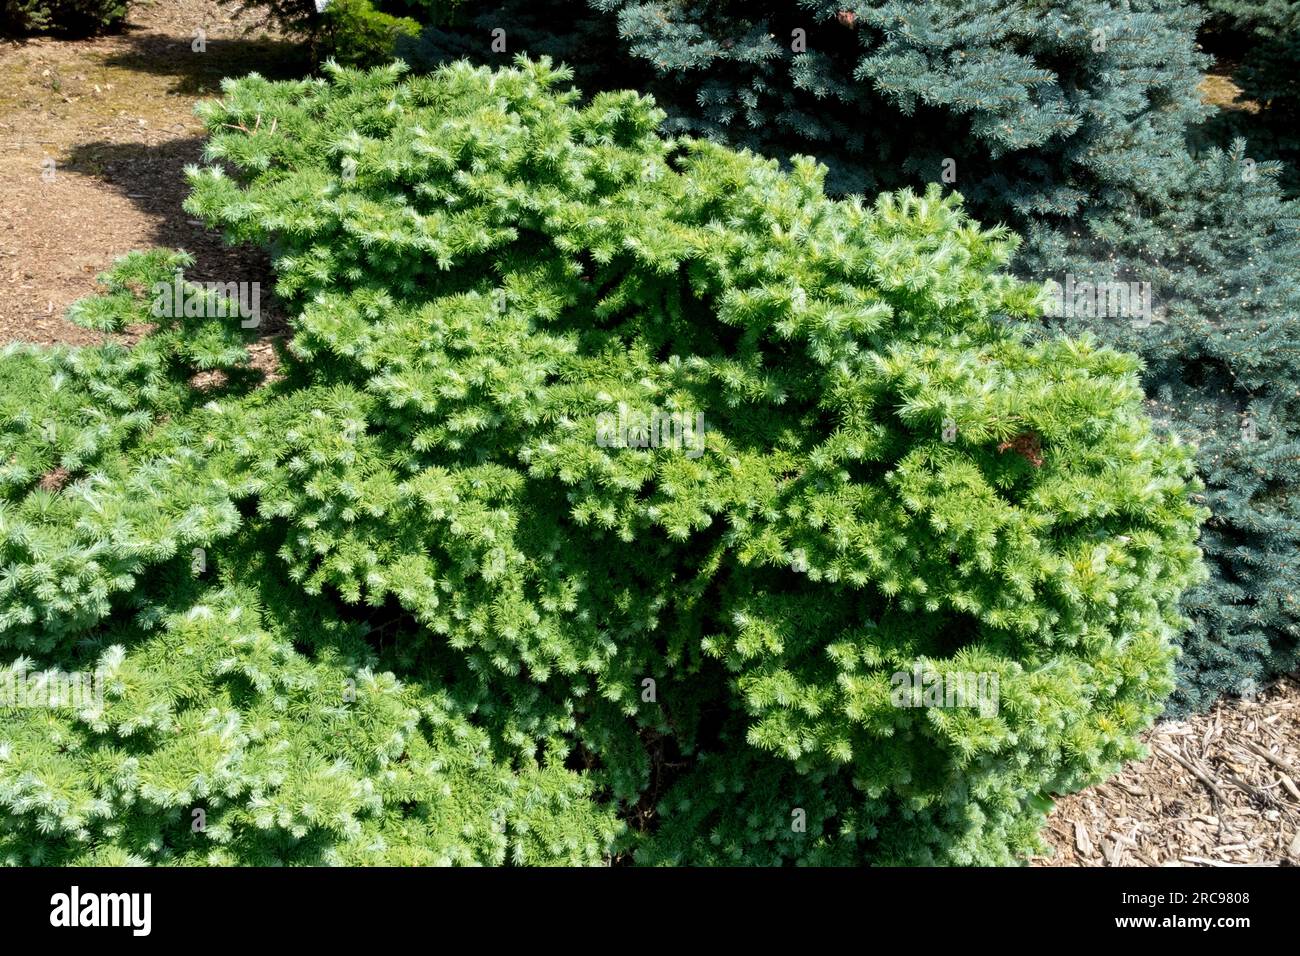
75,18
354,31
441,617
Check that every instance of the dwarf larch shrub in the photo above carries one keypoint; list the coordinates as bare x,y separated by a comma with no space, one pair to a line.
661,475
1082,125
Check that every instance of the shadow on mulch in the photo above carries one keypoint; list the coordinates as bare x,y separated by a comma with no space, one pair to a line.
200,73
152,178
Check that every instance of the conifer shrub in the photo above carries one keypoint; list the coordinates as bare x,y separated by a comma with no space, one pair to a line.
169,695
1222,368
1080,125
653,503
354,32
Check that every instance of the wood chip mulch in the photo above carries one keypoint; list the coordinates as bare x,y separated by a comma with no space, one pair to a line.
1220,789
94,138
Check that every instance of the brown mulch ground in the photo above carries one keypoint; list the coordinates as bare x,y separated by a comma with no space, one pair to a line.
114,115
94,135
1220,789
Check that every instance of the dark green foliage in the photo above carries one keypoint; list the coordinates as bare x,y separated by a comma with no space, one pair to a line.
61,17
703,637
355,32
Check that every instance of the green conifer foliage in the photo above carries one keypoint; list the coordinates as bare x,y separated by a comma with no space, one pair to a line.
99,472
1071,123
220,742
163,704
354,31
1047,109
463,478
1222,349
76,18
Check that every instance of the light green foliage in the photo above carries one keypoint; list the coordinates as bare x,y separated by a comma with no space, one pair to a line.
219,743
98,466
703,637
1082,124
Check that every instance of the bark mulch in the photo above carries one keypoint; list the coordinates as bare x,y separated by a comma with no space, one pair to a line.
1220,789
94,135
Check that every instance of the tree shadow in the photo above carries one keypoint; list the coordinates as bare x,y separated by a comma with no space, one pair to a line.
152,177
199,73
